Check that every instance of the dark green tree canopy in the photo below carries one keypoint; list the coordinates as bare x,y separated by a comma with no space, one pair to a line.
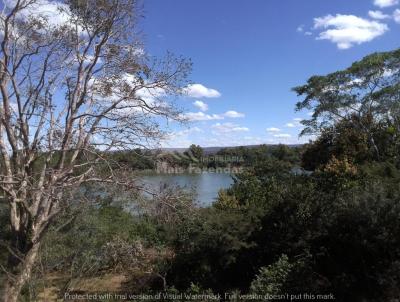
367,94
367,87
196,151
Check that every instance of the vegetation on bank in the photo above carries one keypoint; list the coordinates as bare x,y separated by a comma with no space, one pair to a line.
196,156
334,232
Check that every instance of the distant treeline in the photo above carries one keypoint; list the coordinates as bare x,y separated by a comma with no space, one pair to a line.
195,155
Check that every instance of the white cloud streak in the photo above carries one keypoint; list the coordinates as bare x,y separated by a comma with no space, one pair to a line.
233,114
377,14
182,138
53,12
200,91
282,135
273,130
385,3
219,128
201,116
201,105
396,16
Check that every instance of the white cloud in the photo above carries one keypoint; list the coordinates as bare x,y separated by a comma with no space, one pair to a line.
201,105
227,134
182,138
200,91
282,135
389,72
14,107
201,116
187,131
385,3
53,12
295,123
152,96
301,29
347,30
88,59
377,14
396,15
273,129
253,140
233,114
290,140
228,128
230,139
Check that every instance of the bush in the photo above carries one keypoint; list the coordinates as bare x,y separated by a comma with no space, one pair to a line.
339,226
270,280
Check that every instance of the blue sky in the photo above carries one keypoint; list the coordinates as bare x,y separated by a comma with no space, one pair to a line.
248,55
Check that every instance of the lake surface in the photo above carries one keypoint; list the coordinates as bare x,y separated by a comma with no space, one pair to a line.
204,185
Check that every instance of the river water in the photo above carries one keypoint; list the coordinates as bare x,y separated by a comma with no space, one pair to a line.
204,185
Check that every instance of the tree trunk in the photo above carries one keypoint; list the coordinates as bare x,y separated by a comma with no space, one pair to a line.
15,281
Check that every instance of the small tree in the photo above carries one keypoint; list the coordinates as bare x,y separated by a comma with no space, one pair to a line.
271,279
196,151
74,83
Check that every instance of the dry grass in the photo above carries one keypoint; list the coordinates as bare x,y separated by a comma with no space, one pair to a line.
112,283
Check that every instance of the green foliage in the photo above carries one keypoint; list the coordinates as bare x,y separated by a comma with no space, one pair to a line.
89,240
347,140
255,154
339,224
225,201
196,151
245,157
137,159
208,248
271,279
360,103
192,293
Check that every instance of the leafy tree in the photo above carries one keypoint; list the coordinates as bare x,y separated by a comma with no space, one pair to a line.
367,90
284,153
281,278
270,280
341,141
196,151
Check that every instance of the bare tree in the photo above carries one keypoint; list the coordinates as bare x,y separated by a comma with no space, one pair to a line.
74,83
